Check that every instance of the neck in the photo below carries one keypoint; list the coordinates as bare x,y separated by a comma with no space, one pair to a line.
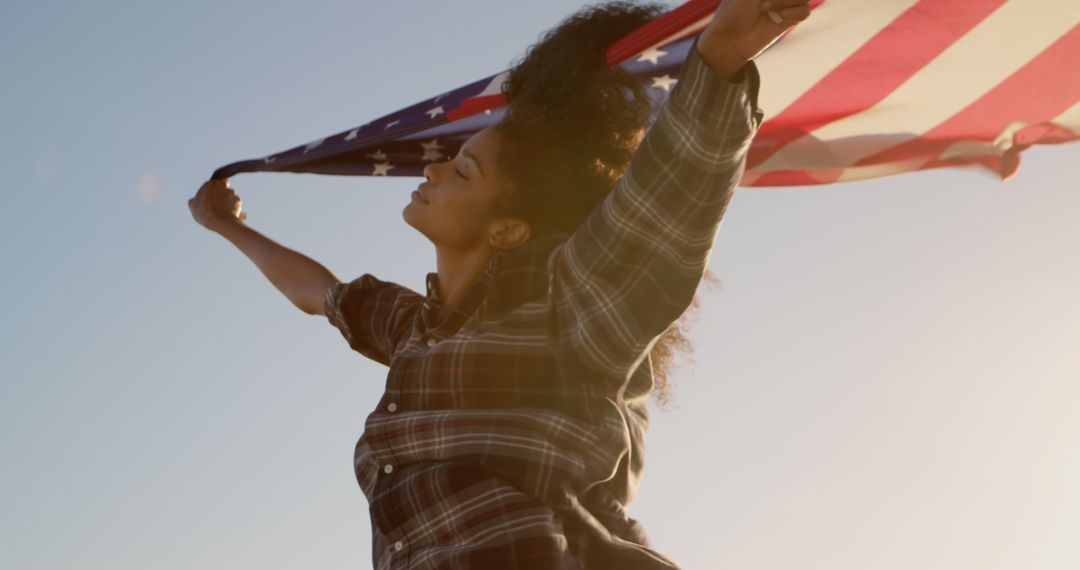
458,271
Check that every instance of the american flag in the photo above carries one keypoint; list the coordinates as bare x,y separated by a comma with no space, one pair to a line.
862,89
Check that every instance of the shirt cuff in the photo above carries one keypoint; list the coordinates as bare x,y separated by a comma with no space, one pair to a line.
726,105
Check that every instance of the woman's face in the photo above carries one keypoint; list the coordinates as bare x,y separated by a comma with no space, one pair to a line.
455,208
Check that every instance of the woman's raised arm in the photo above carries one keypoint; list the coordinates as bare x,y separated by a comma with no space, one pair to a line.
631,269
301,279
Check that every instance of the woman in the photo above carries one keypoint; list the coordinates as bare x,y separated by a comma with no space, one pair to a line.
510,431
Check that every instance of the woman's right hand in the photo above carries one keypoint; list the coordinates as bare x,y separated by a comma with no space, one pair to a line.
216,204
741,29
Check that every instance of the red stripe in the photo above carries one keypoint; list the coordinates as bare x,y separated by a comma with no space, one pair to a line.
874,71
798,177
1041,90
667,26
663,26
1005,166
474,105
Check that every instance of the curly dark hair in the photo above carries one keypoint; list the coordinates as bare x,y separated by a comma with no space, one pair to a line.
571,126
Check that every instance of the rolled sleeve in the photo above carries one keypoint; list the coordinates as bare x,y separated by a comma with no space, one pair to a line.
373,316
717,103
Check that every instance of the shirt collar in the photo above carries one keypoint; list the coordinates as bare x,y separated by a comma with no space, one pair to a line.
510,278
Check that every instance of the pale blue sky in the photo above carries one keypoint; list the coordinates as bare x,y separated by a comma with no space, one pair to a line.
889,377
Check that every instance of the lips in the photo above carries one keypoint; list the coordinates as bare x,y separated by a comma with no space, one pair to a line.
420,191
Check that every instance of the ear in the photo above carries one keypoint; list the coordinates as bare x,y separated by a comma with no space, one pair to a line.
509,233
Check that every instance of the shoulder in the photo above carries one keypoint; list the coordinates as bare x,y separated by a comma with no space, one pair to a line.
365,297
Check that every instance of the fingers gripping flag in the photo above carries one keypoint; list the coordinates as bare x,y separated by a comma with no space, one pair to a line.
860,90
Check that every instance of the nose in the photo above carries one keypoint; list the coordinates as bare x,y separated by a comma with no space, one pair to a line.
428,170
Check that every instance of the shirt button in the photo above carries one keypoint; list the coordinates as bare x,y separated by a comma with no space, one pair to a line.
392,407
388,468
431,342
398,545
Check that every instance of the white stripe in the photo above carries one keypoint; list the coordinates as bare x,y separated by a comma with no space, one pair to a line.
494,87
999,46
997,147
880,170
1070,120
833,32
697,26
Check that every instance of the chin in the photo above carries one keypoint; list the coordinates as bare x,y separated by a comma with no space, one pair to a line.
405,215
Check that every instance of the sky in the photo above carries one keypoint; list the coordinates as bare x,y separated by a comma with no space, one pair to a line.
888,376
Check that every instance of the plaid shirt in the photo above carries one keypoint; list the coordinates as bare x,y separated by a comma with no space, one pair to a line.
510,433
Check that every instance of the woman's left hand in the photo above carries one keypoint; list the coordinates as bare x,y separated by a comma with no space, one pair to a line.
742,29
